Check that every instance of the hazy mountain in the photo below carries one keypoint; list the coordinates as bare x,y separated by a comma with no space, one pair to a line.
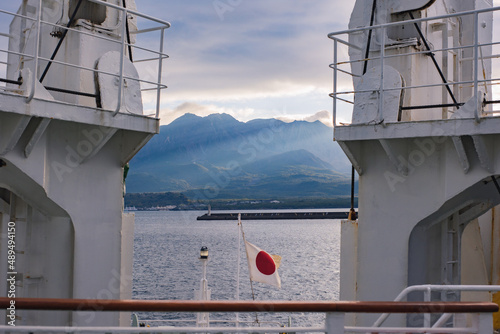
219,157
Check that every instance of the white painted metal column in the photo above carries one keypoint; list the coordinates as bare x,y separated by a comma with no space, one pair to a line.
204,293
334,323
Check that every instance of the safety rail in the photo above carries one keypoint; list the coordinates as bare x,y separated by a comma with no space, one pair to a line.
427,290
343,74
481,314
146,84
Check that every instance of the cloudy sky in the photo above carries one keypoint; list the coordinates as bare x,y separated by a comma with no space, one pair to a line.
249,58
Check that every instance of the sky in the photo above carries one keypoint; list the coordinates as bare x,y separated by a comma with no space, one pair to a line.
249,58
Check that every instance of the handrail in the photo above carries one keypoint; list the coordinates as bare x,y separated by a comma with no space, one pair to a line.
428,288
474,45
481,314
148,17
247,306
423,19
159,55
169,329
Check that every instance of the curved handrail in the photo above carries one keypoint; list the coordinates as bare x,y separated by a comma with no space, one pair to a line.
428,288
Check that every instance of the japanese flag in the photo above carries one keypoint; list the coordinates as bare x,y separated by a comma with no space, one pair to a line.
262,266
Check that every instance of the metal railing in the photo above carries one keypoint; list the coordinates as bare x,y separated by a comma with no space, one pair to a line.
146,85
427,290
481,314
344,90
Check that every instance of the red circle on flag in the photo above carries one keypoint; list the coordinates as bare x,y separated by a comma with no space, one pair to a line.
265,263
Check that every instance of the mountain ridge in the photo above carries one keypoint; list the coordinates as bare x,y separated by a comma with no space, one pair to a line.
218,156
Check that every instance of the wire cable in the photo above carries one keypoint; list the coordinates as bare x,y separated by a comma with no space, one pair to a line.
56,50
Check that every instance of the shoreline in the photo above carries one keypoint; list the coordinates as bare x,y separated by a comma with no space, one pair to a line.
245,204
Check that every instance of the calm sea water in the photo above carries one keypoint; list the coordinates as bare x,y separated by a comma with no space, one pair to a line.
166,264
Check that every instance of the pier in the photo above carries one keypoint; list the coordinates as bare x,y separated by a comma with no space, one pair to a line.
274,215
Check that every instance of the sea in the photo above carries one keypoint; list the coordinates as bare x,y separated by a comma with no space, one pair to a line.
167,267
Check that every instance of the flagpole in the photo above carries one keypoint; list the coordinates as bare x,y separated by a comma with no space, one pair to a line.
248,260
245,241
238,270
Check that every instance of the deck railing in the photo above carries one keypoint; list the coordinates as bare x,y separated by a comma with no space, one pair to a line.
480,313
428,289
397,51
154,49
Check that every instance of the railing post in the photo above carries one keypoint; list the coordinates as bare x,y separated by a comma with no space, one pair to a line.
334,323
122,61
476,65
37,47
483,322
427,298
160,69
381,91
335,59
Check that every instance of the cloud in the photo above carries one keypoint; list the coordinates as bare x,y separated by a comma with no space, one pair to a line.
242,114
259,49
323,116
261,58
252,59
169,115
285,119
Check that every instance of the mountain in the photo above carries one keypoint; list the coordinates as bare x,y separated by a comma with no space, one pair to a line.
219,157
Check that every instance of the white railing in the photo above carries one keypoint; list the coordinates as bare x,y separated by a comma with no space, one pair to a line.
480,315
344,90
427,290
146,85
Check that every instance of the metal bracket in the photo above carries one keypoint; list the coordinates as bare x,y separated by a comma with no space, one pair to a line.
40,130
19,128
462,155
101,144
351,157
4,207
482,153
474,211
136,149
402,169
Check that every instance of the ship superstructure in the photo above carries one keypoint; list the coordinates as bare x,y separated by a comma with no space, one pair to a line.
420,78
78,86
80,96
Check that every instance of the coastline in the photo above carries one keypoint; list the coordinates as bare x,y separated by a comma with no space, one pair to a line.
243,204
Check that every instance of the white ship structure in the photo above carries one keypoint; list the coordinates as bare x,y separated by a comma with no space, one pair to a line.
80,96
80,91
421,79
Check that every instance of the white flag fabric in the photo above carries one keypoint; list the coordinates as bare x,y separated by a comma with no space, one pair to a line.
262,266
